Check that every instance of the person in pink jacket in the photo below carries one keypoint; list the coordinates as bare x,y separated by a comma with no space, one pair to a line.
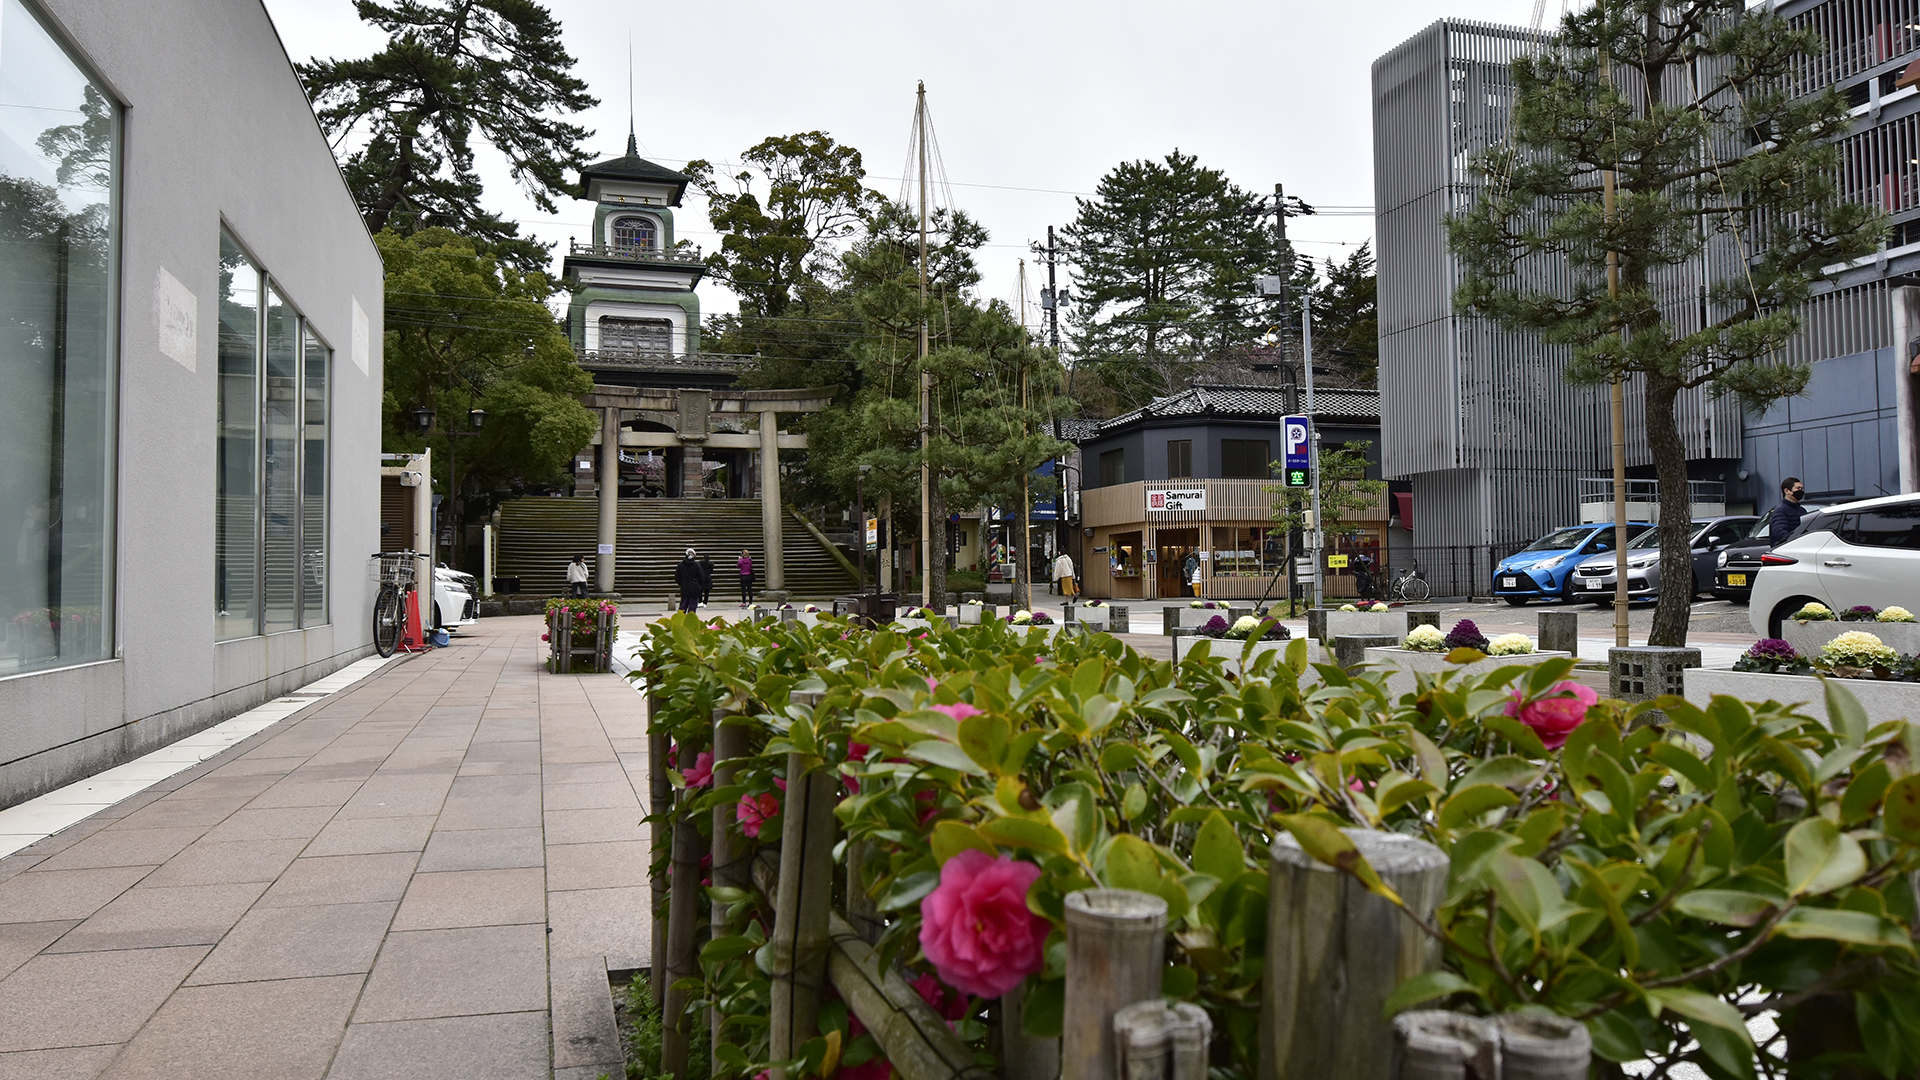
746,578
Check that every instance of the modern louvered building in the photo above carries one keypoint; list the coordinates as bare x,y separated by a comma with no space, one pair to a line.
1481,421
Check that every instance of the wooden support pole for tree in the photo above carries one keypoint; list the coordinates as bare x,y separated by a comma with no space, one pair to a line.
1432,1044
1160,1040
1536,1046
1335,952
803,901
1116,953
1027,1058
660,803
683,931
730,849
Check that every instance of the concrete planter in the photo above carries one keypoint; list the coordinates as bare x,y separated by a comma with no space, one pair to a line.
908,623
1882,700
1230,649
1333,624
1112,618
971,614
1808,637
1407,662
807,618
1184,617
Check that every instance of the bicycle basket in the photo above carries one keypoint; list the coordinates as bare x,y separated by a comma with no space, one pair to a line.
395,567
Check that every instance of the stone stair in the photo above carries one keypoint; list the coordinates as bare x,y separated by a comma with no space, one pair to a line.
537,537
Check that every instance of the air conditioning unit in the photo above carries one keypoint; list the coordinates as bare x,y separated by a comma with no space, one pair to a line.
412,478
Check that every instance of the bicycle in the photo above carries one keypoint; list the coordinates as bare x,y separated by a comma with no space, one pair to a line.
395,573
1407,585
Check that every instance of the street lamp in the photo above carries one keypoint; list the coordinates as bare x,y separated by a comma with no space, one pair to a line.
423,416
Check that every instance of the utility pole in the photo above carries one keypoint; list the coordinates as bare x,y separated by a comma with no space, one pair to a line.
926,378
1023,592
1313,452
1051,298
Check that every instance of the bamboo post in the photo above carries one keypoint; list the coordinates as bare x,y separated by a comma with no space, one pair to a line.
730,849
802,903
683,933
1335,951
1536,1046
659,829
1116,950
1432,1044
1027,1058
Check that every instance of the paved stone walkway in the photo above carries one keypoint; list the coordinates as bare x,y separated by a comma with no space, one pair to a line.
427,875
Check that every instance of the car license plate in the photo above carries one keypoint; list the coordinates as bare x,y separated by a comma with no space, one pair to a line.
1509,583
1736,579
1596,583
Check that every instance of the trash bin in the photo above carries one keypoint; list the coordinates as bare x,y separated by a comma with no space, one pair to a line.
506,586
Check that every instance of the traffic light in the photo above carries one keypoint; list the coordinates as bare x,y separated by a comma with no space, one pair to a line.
1297,478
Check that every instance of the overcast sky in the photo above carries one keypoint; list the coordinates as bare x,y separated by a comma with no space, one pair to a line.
1031,102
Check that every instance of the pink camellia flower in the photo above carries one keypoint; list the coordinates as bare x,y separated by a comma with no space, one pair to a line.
874,1068
959,710
702,772
1554,717
975,927
856,751
951,1004
754,810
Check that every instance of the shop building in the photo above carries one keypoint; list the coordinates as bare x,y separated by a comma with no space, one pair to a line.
189,440
1189,475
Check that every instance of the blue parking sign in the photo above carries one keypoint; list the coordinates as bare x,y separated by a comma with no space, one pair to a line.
1294,429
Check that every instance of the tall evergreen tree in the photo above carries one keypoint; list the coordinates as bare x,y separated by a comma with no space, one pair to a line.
1346,321
1165,257
410,111
1719,162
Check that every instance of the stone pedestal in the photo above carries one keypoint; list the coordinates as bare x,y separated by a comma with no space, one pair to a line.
1350,650
1560,632
776,597
1422,618
1645,672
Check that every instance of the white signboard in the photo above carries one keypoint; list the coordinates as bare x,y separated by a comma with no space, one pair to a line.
606,549
177,314
1176,499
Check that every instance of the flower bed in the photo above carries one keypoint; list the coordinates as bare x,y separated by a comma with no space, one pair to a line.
1407,664
982,774
1809,637
580,633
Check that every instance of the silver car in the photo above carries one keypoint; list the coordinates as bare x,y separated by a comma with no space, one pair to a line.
1593,579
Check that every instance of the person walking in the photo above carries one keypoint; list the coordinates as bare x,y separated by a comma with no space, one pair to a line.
1063,574
577,577
691,581
1786,517
1190,573
746,578
706,579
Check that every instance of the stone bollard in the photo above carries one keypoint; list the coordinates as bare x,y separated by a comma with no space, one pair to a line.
1645,672
1560,632
1116,948
1317,624
1350,650
1117,619
1336,951
1170,620
1422,618
776,597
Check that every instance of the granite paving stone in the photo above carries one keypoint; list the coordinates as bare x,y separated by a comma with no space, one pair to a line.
148,917
437,901
342,879
40,896
284,1030
86,999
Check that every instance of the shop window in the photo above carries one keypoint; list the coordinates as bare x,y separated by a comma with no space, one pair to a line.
1113,467
1124,554
1247,552
57,215
270,524
1179,458
1245,459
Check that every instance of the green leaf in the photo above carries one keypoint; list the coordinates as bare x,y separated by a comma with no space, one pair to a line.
1844,713
1702,1008
1132,864
908,890
950,838
1684,762
1118,757
1044,1008
1523,738
1728,907
984,738
946,755
1901,814
1433,764
1464,655
1134,802
1852,927
1615,1038
1507,771
1088,677
1025,833
722,949
1424,987
1321,839
1217,850
1869,786
1468,862
1179,982
1820,858
1465,806
1403,793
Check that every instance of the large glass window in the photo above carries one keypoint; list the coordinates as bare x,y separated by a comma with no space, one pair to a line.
634,233
1245,459
1113,467
1179,458
59,137
270,551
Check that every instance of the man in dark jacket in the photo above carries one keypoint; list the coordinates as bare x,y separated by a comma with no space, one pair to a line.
692,582
1786,517
706,574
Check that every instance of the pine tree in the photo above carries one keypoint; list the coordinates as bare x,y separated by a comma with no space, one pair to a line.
1719,163
452,68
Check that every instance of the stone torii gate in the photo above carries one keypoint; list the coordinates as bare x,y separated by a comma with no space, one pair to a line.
690,415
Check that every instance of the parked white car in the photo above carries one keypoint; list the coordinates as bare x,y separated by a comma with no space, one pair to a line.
453,593
1850,555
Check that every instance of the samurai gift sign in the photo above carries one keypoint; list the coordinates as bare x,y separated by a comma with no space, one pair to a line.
1171,499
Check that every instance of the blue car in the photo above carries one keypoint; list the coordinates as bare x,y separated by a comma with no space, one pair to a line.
1544,568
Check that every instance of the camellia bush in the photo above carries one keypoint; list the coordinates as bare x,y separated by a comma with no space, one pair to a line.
1661,876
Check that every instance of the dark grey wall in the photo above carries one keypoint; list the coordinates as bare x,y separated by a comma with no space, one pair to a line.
1839,438
1146,447
216,128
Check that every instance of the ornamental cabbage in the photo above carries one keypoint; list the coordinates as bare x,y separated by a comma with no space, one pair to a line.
1857,648
1425,638
1895,614
1510,645
1815,611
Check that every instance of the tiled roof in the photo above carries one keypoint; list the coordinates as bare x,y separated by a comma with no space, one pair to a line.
1248,402
1076,430
631,166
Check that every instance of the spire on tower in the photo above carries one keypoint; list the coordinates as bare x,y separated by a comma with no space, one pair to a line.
633,145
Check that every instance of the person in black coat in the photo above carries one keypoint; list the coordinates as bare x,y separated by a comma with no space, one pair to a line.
706,573
692,582
1786,517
